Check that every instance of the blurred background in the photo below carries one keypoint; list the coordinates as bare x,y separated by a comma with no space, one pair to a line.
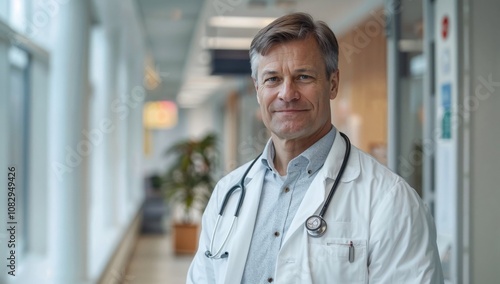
117,117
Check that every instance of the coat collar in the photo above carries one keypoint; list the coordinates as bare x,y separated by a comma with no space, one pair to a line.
321,185
332,164
335,158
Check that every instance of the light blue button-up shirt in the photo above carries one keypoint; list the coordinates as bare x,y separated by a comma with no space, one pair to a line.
280,199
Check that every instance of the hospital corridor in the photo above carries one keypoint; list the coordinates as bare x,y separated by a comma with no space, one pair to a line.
123,121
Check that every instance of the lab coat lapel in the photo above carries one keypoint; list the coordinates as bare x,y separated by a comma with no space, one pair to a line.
318,190
242,235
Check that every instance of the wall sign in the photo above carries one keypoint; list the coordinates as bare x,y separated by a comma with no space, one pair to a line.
446,106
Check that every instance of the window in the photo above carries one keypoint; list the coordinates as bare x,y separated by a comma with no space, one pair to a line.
18,143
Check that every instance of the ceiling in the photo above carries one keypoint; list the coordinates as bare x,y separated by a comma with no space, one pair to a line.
178,33
169,27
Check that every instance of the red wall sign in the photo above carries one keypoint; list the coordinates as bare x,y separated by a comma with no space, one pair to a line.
445,27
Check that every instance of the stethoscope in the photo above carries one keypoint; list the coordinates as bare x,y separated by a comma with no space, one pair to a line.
315,225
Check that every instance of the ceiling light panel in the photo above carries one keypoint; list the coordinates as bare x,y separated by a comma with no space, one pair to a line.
227,42
239,22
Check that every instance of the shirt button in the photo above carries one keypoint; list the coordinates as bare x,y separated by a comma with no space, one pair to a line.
276,234
309,171
270,279
287,189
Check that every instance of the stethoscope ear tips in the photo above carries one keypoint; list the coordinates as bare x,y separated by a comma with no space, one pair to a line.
208,254
316,226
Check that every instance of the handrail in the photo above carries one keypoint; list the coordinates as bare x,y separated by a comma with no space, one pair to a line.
15,38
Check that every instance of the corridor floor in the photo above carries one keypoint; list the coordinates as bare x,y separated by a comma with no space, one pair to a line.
153,262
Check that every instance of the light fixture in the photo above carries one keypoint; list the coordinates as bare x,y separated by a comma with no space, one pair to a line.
160,115
240,22
242,43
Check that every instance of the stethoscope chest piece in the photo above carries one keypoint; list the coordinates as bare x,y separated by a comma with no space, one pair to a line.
316,226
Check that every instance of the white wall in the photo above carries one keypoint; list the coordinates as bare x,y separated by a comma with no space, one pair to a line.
447,138
4,146
200,120
484,145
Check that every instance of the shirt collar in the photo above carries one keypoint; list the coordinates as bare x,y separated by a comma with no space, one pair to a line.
312,159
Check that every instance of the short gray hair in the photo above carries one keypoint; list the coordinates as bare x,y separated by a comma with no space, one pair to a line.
295,26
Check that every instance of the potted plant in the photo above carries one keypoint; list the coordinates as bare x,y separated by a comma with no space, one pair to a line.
188,184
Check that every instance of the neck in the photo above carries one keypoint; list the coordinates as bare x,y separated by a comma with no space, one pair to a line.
287,149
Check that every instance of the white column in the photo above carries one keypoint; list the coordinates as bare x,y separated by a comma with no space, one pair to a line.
101,127
4,131
69,149
96,160
138,96
135,97
393,84
129,147
110,67
120,112
38,157
447,135
100,133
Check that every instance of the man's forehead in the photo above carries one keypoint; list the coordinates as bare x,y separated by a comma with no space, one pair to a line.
295,60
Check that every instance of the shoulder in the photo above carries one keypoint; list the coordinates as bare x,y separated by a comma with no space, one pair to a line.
383,181
369,166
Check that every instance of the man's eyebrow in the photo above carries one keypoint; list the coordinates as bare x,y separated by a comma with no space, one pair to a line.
300,70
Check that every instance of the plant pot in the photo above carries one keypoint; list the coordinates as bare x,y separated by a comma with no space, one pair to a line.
185,237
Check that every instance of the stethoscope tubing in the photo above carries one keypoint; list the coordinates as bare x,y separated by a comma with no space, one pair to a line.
240,185
225,239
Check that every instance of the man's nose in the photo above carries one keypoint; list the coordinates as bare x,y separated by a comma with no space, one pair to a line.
288,91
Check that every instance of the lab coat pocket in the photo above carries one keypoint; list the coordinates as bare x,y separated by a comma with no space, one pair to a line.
338,260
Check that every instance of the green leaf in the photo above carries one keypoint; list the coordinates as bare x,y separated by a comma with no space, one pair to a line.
189,180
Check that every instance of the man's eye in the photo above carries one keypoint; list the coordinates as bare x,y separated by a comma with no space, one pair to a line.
272,79
304,77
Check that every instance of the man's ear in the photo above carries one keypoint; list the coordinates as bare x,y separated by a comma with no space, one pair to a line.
256,85
334,84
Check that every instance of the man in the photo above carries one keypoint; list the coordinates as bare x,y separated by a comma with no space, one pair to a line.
378,230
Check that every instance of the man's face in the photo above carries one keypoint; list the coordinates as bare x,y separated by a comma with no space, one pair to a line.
294,91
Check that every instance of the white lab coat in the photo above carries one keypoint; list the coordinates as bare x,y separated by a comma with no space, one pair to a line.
393,234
